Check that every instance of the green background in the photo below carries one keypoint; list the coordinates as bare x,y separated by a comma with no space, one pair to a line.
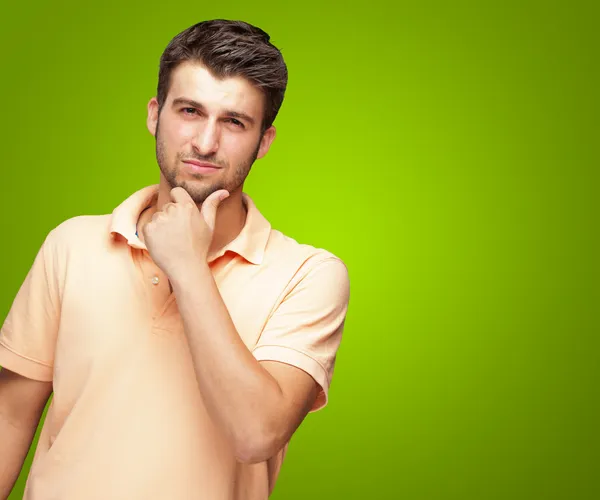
447,152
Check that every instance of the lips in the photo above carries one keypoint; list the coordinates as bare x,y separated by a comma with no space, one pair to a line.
201,167
201,164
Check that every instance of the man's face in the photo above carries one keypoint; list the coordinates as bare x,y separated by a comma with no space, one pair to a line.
208,133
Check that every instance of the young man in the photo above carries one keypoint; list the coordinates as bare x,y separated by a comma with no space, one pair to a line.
184,339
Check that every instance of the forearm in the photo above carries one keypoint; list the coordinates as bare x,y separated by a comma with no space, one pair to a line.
239,393
22,403
16,441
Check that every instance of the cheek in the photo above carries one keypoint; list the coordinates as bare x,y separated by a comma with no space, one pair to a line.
178,133
184,131
237,147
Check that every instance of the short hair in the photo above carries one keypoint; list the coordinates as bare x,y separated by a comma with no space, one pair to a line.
229,49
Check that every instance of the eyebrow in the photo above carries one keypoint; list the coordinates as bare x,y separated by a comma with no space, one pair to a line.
195,104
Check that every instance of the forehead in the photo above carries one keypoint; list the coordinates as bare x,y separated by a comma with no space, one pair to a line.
193,81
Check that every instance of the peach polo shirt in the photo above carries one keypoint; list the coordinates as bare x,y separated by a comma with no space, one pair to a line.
96,317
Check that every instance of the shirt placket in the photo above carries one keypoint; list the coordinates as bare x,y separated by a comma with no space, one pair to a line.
157,285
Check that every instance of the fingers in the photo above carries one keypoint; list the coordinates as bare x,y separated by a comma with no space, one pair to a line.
210,206
180,195
166,207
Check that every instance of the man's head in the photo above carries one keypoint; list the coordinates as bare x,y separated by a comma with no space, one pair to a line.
221,85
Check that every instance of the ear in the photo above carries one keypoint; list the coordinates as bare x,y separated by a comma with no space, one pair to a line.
266,141
152,120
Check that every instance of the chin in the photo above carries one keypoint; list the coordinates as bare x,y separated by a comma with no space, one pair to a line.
200,193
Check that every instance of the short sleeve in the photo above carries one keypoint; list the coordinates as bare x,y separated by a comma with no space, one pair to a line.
28,335
306,328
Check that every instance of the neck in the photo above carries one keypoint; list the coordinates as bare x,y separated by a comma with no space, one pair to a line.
231,216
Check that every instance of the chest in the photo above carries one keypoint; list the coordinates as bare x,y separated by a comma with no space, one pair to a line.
122,304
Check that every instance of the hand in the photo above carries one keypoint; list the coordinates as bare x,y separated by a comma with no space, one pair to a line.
180,235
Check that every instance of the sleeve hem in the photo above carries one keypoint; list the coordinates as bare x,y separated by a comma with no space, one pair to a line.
291,356
24,366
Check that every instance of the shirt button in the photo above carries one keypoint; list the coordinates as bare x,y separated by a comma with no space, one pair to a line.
155,280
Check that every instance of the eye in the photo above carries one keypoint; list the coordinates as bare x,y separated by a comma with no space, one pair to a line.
237,123
188,111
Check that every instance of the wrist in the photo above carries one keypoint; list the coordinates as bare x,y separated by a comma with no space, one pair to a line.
185,275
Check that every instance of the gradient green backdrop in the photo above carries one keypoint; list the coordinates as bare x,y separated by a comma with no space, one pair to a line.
448,152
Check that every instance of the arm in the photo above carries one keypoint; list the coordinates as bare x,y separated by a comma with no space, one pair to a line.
258,401
27,342
259,405
22,402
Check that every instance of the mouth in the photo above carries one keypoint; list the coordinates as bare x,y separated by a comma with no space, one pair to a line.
202,167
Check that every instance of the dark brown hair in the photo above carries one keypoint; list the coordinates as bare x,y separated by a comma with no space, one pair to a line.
229,49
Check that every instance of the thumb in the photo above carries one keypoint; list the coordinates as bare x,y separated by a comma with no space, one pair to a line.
210,206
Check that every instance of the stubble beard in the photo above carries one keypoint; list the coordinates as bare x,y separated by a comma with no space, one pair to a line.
197,192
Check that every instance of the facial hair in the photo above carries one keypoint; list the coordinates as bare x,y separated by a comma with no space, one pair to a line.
199,193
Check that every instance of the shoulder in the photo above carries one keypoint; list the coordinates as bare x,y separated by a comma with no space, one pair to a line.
79,231
314,265
282,247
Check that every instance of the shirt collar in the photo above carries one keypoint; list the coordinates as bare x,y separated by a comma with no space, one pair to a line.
250,243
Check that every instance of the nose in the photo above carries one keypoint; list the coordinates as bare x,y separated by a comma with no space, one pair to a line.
206,140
